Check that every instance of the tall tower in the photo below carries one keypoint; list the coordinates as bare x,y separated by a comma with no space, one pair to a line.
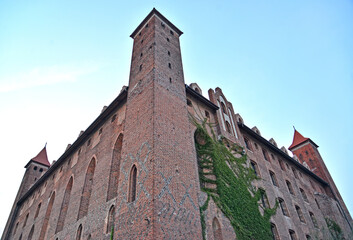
35,168
308,154
159,180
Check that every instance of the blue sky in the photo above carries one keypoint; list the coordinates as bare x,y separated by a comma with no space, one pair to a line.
281,63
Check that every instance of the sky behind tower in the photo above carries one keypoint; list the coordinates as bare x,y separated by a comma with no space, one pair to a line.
280,63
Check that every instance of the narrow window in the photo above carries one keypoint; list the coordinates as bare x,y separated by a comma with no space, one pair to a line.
281,164
140,67
64,206
207,114
114,116
141,41
14,232
272,156
274,231
308,237
79,232
318,206
188,102
290,188
87,189
114,169
295,173
37,211
170,65
228,127
292,235
247,144
47,216
167,39
171,32
30,235
313,219
217,231
283,206
168,53
255,168
20,238
132,184
300,214
141,54
25,222
264,200
170,80
110,222
163,25
303,195
273,178
264,152
223,108
256,146
146,25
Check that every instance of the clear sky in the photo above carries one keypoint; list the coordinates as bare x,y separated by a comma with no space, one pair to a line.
281,63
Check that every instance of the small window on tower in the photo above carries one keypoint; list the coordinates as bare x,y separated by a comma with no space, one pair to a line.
41,170
168,53
35,168
170,65
147,25
140,67
188,102
171,32
142,41
141,54
207,114
167,39
170,80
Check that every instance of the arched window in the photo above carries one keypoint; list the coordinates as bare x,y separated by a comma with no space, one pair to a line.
87,189
274,231
223,108
264,199
283,206
229,129
47,216
37,212
20,237
110,222
64,206
25,222
292,235
313,219
300,214
217,231
290,188
114,169
132,184
30,235
79,232
273,178
14,231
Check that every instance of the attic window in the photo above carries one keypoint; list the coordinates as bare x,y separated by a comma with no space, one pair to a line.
147,25
41,170
100,131
89,142
163,25
171,32
113,118
35,168
188,102
140,34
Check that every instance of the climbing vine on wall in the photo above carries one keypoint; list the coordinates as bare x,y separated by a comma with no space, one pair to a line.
226,178
335,229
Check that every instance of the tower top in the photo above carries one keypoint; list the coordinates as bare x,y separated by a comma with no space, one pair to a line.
299,139
158,14
41,158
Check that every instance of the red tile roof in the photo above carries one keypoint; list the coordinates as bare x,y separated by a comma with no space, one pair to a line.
42,157
297,139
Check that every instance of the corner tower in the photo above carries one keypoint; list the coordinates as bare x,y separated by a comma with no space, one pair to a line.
158,181
308,154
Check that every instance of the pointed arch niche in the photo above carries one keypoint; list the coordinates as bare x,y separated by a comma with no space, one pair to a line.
87,189
132,184
64,206
47,216
115,169
217,231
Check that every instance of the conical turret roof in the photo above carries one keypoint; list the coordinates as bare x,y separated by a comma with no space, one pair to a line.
41,158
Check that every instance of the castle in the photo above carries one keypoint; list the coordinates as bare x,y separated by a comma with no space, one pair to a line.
134,172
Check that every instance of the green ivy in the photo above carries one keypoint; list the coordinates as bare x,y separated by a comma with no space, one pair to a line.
226,178
334,228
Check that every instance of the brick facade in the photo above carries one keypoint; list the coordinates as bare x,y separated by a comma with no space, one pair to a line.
134,169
